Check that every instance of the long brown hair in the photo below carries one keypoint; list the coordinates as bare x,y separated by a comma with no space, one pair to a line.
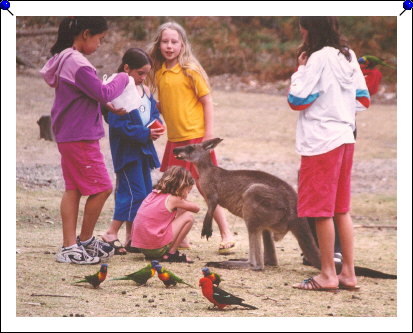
174,181
322,31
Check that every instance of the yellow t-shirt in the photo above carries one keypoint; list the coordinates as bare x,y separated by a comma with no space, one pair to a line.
180,106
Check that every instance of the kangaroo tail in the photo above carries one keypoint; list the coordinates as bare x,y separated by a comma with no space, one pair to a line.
367,272
248,306
302,232
364,271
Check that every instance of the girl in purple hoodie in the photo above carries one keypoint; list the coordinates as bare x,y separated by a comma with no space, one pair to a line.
77,126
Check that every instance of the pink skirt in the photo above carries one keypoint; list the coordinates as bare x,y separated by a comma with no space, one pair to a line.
170,160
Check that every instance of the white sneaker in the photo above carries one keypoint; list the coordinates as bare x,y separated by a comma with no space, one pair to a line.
98,248
76,255
338,257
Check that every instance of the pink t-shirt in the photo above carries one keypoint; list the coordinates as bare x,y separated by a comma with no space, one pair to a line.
152,227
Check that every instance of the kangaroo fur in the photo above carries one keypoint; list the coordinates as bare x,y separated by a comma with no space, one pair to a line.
267,204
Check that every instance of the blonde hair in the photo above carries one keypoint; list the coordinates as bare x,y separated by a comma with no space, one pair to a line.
186,58
174,181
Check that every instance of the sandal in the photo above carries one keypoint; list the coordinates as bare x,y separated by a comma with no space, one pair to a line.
226,247
312,285
176,257
132,249
117,245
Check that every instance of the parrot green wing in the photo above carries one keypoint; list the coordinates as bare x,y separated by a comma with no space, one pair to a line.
376,61
217,278
92,279
140,277
175,278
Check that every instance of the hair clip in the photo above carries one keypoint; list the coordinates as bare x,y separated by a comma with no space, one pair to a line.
73,21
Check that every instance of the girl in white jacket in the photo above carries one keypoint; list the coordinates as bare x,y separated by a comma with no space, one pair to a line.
327,89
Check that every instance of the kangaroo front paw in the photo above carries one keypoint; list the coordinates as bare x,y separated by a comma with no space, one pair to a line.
206,232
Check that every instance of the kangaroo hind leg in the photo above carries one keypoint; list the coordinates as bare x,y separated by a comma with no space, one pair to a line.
270,255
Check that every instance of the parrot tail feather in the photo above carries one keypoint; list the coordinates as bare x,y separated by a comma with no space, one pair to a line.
248,306
121,278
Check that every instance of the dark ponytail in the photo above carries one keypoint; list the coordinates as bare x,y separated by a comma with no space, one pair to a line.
72,26
134,58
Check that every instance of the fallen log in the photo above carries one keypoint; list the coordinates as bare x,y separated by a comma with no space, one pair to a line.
46,31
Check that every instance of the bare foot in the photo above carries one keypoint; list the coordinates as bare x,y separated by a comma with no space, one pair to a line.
109,237
347,281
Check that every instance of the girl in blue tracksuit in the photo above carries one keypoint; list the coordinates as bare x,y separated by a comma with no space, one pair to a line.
131,144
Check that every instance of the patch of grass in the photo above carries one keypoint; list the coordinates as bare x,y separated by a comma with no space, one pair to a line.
375,209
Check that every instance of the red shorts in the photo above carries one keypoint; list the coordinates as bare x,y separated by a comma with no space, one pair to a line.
83,167
169,158
324,183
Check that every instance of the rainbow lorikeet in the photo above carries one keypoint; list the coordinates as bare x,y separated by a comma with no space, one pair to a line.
372,61
142,276
168,278
214,277
219,297
96,279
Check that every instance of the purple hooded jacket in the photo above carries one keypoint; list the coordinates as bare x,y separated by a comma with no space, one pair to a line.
76,112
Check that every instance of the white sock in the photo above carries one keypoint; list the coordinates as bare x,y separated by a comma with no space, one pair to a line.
86,241
69,247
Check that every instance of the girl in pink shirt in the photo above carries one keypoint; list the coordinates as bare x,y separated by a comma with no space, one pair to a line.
165,217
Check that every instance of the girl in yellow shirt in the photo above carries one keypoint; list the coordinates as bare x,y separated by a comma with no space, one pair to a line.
186,105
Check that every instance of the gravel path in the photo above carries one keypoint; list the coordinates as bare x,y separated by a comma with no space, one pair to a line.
372,176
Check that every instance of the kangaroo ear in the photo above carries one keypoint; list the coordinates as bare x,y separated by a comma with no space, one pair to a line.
211,144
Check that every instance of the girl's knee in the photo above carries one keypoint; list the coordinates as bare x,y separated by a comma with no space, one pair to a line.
189,217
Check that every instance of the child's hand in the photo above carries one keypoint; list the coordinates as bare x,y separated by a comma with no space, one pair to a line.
302,59
119,112
156,133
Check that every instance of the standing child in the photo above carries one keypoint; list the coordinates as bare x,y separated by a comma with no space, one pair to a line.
77,126
131,144
186,105
327,89
165,217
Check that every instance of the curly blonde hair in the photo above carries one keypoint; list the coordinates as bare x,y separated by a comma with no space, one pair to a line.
186,58
174,181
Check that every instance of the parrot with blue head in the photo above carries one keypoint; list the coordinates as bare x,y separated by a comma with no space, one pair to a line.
168,278
371,61
214,277
220,298
96,279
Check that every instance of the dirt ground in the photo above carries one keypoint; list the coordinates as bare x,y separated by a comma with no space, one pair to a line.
259,133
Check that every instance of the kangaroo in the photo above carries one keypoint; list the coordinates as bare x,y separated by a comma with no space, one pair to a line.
266,203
